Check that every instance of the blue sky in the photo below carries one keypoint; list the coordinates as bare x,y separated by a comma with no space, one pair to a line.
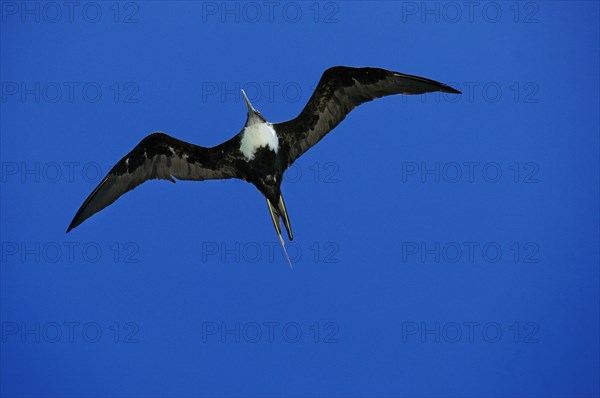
444,246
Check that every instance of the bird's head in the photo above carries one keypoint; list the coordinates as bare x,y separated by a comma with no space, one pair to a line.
254,116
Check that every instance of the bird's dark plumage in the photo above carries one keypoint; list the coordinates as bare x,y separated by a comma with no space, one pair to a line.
158,156
340,90
262,156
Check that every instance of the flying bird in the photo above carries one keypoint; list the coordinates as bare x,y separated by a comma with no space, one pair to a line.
262,151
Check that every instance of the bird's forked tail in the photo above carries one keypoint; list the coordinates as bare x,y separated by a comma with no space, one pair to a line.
276,214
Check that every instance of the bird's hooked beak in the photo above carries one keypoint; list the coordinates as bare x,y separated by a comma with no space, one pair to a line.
254,115
251,109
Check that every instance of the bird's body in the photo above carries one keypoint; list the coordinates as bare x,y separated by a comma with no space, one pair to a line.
259,161
262,151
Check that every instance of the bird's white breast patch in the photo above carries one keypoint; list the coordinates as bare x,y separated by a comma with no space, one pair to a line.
256,136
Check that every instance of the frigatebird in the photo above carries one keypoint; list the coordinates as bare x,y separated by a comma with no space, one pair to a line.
262,151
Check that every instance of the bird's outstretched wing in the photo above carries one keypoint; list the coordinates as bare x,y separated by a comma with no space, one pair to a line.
158,156
340,90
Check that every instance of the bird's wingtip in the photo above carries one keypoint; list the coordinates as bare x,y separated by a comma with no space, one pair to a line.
451,90
72,225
